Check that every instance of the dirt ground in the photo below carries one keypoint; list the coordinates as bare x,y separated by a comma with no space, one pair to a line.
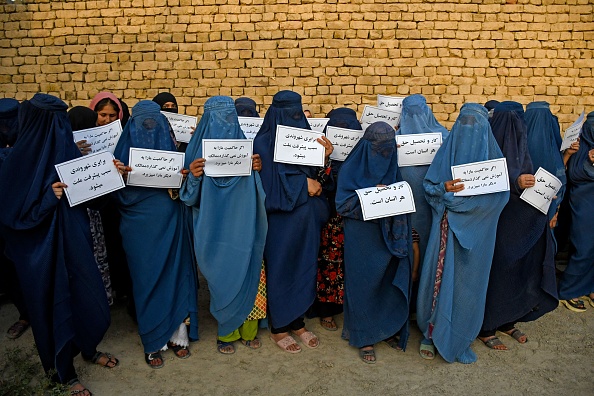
557,360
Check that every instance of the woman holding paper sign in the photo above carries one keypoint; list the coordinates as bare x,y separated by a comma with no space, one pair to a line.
417,118
157,237
330,289
522,282
455,273
229,231
50,244
578,278
378,253
296,212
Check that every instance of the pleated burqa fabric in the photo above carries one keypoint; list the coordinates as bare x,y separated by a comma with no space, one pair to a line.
229,222
377,253
522,283
451,298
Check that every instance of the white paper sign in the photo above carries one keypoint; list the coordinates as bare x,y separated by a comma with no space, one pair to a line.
541,195
183,125
392,103
573,132
483,177
227,157
343,141
318,124
298,146
101,138
373,114
89,177
417,149
392,200
250,126
155,168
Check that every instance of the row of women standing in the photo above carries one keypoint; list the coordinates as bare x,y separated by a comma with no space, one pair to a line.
276,216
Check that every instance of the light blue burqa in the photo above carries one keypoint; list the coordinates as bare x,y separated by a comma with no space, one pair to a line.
457,317
229,222
417,118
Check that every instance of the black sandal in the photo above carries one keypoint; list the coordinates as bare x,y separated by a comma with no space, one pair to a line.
149,357
111,360
177,348
84,391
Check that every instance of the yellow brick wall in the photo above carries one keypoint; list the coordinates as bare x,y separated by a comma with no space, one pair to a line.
333,52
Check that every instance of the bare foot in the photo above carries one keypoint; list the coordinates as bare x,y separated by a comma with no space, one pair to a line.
517,335
78,389
367,354
312,341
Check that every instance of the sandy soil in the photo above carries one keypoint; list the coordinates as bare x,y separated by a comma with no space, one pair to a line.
557,360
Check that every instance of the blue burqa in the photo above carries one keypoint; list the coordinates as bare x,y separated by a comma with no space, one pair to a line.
456,319
544,142
246,107
578,278
417,118
377,253
294,218
49,241
522,284
229,222
157,239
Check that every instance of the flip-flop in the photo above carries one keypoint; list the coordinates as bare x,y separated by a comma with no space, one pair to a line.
306,337
17,329
221,345
149,357
364,353
428,348
110,363
492,342
516,335
251,344
328,324
589,299
574,305
285,343
177,349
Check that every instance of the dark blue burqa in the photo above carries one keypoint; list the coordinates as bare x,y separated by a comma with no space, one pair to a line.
50,242
544,142
522,284
377,253
418,118
157,238
294,218
246,107
578,278
229,222
472,221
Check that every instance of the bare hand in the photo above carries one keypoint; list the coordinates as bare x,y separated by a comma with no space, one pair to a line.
553,222
571,150
197,167
591,156
58,188
526,181
256,163
122,169
84,147
328,147
184,173
454,186
314,188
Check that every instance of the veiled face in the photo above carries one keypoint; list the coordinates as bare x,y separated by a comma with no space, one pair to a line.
106,115
169,105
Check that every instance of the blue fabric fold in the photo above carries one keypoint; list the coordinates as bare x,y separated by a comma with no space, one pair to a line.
377,253
50,242
157,238
294,218
456,319
229,222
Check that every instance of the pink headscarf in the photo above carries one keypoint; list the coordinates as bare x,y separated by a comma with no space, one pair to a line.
102,95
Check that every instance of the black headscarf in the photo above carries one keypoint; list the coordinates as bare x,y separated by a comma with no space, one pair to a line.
163,98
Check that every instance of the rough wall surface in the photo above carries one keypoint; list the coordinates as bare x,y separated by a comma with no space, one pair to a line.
333,52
